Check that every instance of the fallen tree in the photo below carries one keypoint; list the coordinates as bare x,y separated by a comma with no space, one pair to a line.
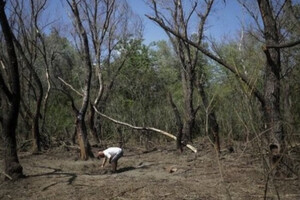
145,129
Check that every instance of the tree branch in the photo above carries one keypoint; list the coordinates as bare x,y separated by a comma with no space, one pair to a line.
70,86
5,174
285,45
144,129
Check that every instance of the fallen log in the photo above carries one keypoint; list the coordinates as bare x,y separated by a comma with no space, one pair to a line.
144,128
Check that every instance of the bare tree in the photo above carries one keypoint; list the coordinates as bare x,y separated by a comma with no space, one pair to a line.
108,23
81,129
179,19
28,46
10,98
99,25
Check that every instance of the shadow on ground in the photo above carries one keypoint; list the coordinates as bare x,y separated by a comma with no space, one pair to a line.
125,169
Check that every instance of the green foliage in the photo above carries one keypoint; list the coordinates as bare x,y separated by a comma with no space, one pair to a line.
237,110
168,66
60,118
138,90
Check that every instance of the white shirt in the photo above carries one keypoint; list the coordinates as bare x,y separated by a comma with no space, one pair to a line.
112,151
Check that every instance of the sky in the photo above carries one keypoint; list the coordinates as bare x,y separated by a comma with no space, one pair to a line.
224,20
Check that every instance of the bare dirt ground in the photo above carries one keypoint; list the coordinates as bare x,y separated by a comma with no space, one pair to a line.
161,173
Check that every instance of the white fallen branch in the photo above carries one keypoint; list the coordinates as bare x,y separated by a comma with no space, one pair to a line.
145,128
5,174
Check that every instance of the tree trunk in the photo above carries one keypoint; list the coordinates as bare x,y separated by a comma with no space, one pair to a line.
11,106
189,114
35,123
12,165
178,123
92,126
80,121
287,107
271,108
85,147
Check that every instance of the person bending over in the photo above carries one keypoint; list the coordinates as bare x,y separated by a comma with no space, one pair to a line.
113,154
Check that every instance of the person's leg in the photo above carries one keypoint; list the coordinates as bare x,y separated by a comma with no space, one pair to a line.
114,161
114,165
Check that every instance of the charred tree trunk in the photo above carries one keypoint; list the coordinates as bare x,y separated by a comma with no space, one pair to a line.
85,148
178,123
9,121
188,90
74,135
287,107
271,108
92,126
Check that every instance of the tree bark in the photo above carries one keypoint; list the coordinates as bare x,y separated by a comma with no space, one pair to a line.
92,126
274,136
178,123
36,147
188,90
9,121
271,108
85,147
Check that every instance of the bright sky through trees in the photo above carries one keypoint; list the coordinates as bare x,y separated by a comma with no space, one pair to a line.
224,21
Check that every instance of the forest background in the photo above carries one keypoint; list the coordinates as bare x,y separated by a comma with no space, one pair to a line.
76,79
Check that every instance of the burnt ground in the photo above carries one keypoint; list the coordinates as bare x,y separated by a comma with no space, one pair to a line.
161,173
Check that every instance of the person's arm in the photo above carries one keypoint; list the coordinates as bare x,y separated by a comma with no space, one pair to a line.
104,161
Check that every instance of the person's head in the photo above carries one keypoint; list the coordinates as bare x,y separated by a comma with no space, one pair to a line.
100,154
